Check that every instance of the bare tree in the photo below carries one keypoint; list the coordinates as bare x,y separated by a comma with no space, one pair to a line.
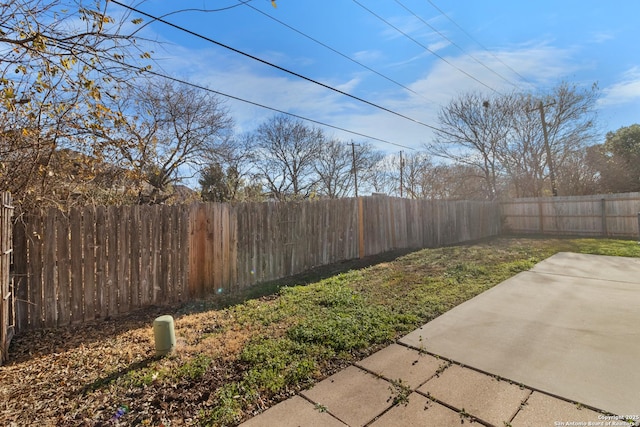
285,152
504,136
570,120
335,167
417,177
384,175
473,128
173,131
523,153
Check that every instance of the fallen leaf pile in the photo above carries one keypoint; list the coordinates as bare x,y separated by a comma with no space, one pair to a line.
105,373
74,376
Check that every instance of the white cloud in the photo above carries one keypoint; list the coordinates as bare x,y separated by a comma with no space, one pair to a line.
439,45
625,91
539,63
368,55
602,36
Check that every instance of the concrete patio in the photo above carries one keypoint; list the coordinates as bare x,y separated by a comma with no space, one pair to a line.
554,346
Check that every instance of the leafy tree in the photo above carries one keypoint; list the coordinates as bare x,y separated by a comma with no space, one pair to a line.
619,164
217,184
59,62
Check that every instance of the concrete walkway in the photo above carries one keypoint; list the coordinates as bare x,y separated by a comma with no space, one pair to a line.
548,347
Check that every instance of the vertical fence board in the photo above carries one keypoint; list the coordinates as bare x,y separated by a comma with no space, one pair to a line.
102,235
89,264
145,255
225,248
164,255
156,249
123,260
77,290
217,233
113,224
64,265
7,297
20,275
173,248
184,252
35,272
134,265
49,276
233,249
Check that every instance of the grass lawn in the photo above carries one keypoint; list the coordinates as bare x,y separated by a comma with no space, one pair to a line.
236,356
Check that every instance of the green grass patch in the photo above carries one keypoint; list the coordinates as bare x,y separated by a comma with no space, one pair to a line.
194,368
299,334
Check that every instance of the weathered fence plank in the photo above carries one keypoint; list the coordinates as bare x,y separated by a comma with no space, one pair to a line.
104,261
89,264
613,215
135,234
145,255
7,296
102,291
49,276
35,272
113,224
20,275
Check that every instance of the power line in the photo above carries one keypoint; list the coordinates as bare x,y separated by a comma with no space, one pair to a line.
237,98
455,44
355,61
293,73
424,47
335,50
242,2
476,41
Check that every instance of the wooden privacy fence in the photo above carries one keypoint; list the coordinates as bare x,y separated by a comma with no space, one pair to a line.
6,291
104,261
614,215
235,246
98,262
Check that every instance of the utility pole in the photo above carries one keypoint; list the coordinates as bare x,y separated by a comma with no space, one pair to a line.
401,173
552,175
353,165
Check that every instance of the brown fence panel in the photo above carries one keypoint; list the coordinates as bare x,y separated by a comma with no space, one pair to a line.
7,297
102,238
20,275
104,261
613,215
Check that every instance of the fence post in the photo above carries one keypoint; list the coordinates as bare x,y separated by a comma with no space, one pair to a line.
7,297
540,217
638,227
360,227
603,204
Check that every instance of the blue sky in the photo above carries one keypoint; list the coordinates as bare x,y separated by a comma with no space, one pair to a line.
485,46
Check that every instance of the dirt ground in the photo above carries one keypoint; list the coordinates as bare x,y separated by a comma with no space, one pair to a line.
67,376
